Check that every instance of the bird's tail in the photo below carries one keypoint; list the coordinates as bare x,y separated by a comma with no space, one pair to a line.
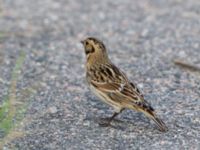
145,107
151,114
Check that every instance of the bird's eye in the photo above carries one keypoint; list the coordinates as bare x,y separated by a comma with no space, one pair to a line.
86,43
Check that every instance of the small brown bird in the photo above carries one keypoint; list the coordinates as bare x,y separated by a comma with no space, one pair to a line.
112,86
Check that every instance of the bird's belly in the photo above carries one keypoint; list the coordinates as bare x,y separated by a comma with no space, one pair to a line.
105,98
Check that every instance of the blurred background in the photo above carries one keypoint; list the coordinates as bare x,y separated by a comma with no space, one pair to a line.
44,100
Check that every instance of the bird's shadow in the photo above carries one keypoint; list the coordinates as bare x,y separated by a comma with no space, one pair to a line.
124,123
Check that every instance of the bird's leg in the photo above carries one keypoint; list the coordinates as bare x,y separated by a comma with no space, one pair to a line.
107,121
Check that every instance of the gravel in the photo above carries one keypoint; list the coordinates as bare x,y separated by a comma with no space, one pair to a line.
143,38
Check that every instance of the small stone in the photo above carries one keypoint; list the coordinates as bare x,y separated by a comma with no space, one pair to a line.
182,53
53,110
145,33
140,85
1,80
196,45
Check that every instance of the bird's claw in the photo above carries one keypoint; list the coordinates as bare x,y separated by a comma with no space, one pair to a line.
104,122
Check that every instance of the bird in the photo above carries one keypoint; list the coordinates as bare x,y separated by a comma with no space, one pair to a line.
112,86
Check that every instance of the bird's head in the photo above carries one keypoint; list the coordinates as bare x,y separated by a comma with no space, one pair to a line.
94,49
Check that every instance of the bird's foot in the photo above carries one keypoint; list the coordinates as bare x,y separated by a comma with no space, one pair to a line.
104,122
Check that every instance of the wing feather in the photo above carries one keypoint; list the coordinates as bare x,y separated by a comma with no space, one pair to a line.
115,83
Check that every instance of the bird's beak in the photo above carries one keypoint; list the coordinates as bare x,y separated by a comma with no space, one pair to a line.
82,42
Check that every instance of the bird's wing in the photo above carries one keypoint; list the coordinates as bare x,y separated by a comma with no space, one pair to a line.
111,80
122,90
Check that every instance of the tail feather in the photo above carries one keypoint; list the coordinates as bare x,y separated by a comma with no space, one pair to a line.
159,123
145,107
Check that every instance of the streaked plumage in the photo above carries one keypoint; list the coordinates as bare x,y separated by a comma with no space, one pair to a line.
111,85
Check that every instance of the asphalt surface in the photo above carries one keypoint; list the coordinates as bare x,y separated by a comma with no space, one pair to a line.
143,38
